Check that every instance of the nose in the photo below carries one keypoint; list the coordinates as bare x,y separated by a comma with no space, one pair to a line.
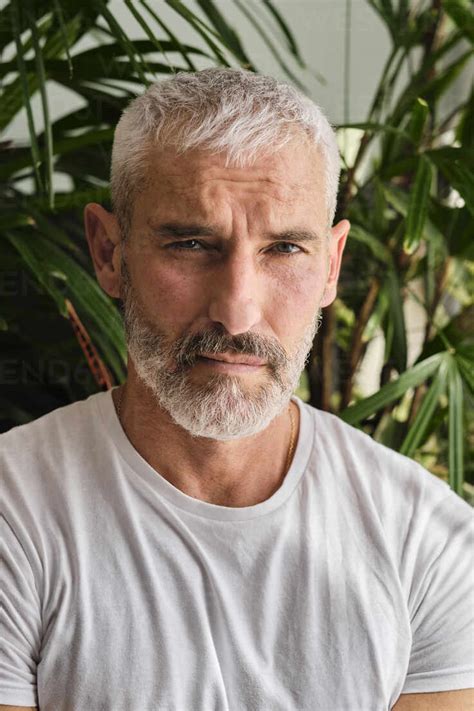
235,293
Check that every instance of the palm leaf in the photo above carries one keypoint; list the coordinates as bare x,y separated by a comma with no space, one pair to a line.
288,35
42,271
422,421
456,164
390,392
129,47
460,12
200,27
225,31
378,249
45,259
265,37
418,118
173,39
151,36
44,104
64,34
26,84
456,429
397,321
418,205
466,368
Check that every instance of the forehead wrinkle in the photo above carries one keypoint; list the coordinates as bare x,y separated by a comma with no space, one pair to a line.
199,198
198,184
290,172
198,217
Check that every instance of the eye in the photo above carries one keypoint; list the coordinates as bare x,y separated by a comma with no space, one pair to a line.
188,245
286,248
194,245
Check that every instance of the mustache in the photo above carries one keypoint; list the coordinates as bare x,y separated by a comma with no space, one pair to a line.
187,349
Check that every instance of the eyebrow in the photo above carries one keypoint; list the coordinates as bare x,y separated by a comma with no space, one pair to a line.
181,230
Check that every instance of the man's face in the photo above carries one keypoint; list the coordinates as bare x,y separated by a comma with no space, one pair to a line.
224,274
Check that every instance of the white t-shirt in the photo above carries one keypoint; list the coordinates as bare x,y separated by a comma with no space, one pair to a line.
350,585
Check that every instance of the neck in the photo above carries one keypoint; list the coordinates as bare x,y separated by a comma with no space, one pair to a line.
235,473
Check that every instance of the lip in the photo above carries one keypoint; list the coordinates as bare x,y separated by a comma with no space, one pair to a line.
233,359
229,368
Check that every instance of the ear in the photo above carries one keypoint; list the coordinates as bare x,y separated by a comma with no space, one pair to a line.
336,247
103,237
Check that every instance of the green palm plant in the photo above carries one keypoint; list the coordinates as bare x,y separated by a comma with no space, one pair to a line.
409,194
411,205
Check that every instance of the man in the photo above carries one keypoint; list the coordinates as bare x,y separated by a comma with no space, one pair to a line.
198,538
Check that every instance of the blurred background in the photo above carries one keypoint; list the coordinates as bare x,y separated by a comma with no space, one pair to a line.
395,353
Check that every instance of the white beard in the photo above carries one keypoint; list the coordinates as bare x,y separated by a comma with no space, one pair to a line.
222,408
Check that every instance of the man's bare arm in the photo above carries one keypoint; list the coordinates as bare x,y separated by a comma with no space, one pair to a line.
462,700
17,708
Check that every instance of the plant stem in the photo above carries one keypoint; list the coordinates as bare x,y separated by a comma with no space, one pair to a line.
357,345
322,363
367,136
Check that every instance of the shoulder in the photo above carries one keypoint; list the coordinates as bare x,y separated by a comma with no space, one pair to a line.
356,452
372,476
34,454
399,506
64,422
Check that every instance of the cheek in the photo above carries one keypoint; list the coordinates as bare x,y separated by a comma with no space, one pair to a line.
297,295
169,297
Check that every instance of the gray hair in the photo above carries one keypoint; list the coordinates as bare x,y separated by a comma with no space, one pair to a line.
233,111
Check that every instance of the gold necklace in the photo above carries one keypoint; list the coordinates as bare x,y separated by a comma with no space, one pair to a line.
292,440
119,404
292,431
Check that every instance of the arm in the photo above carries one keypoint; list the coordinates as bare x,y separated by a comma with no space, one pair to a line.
461,700
20,622
440,672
